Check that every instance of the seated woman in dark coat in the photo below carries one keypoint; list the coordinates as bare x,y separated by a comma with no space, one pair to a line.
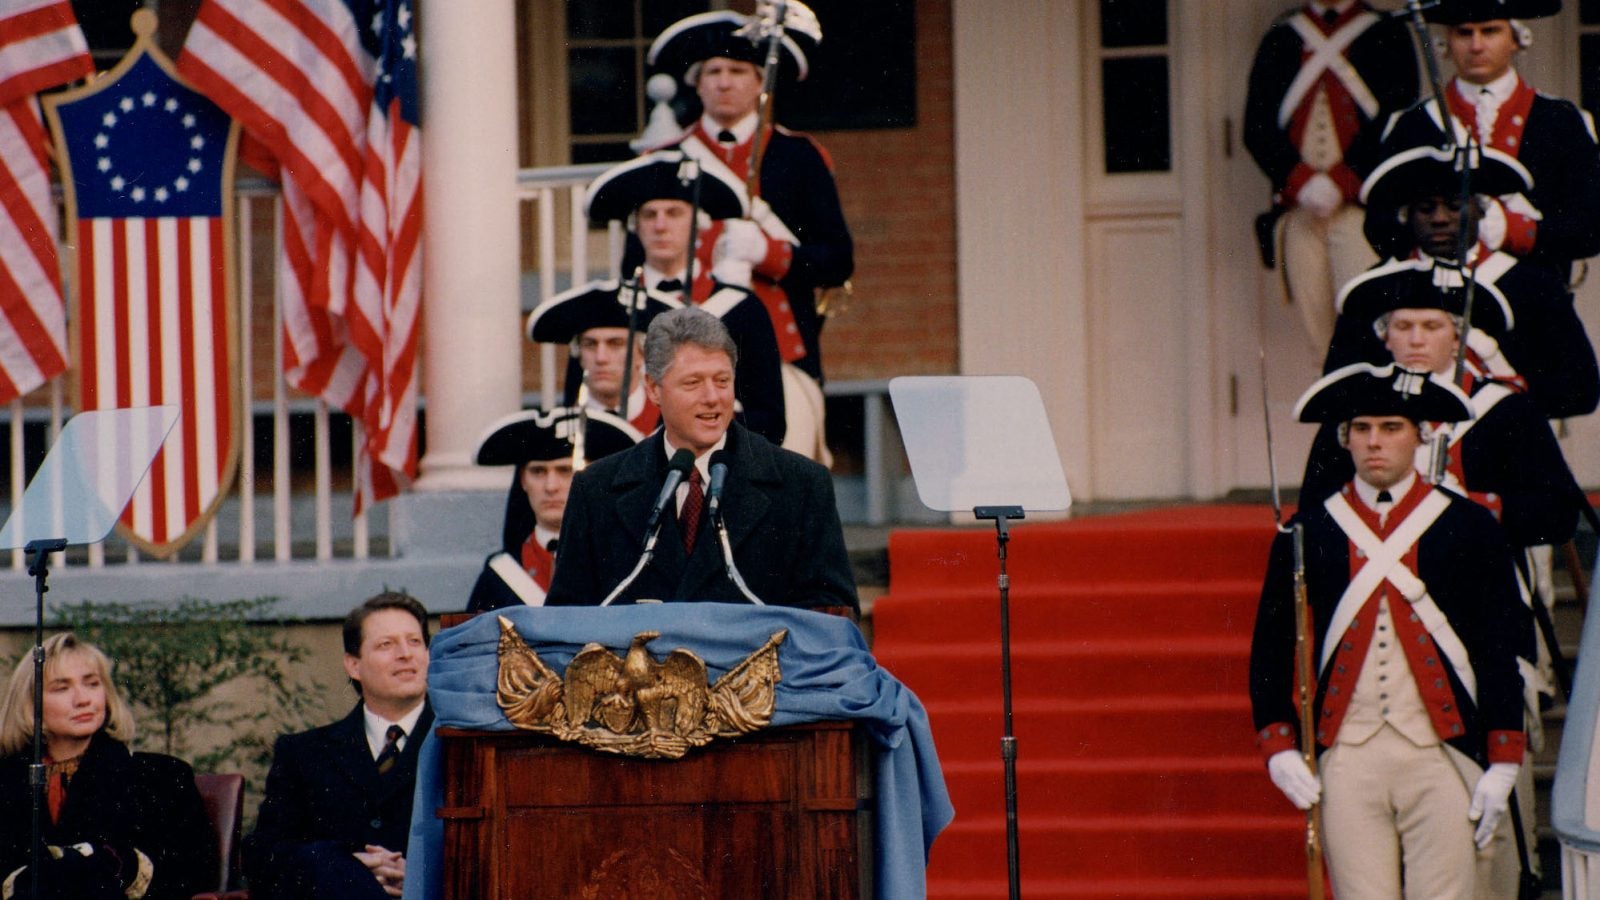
117,823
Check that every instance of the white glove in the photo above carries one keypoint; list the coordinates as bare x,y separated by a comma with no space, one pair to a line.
1492,227
1320,196
1491,799
741,239
735,272
1290,773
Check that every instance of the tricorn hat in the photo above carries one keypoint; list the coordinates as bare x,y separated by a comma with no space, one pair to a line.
1458,12
1362,389
1429,171
598,304
733,35
662,175
1425,284
535,434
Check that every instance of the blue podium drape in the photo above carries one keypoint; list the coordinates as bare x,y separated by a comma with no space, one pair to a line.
1574,788
828,674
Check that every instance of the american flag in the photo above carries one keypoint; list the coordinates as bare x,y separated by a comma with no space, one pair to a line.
145,164
40,47
328,88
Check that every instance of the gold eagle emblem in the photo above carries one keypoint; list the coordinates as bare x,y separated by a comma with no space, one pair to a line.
635,704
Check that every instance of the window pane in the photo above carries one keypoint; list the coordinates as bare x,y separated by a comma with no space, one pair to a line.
587,20
1133,23
658,14
1136,108
1589,12
611,151
603,90
863,74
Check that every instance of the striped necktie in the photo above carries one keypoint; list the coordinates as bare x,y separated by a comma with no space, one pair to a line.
689,516
391,749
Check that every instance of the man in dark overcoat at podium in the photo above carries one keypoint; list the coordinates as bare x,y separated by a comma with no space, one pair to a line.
782,524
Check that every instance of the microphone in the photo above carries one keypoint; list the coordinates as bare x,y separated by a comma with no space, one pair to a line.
677,468
719,478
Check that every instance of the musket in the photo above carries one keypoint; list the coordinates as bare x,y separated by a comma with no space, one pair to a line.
579,452
1304,646
771,20
1466,157
631,292
689,173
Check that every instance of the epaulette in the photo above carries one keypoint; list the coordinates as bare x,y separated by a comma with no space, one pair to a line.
827,158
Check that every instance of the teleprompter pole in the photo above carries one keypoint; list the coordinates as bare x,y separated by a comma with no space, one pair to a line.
39,567
1008,742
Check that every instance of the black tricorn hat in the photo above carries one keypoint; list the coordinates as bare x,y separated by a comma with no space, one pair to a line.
662,175
598,304
1362,389
732,35
1457,12
1429,171
1425,284
536,434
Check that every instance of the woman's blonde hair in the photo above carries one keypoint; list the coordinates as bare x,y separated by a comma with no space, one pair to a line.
16,710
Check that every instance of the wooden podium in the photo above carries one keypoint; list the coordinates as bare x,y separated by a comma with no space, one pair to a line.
780,813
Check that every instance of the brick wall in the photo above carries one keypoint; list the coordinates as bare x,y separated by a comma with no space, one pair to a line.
898,190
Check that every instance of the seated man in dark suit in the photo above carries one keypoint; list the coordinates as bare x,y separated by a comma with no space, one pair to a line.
781,522
337,811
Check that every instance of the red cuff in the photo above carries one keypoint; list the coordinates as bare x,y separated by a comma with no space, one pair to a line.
1298,176
1521,232
780,255
1349,183
1276,738
1507,746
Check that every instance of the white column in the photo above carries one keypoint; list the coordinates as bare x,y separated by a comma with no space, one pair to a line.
1019,225
471,347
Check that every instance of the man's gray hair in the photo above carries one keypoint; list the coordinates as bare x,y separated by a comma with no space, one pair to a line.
674,328
1380,325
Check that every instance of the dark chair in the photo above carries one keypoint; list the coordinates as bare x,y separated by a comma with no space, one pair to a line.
224,798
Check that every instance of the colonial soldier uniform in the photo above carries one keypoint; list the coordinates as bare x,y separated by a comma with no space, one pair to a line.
1526,334
566,317
1416,624
520,571
1322,74
795,240
1553,222
620,194
1505,455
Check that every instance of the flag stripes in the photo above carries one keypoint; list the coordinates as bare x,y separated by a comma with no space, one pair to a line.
40,47
153,330
332,99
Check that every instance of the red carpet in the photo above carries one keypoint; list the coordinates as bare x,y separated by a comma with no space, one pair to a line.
1130,634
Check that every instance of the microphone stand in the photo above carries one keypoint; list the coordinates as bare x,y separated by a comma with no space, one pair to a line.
644,560
1008,741
39,568
681,461
727,559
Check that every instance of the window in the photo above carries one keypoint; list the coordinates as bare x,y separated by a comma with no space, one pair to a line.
863,75
606,46
1135,94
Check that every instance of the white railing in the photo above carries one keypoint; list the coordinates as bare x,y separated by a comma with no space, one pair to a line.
549,191
232,534
554,200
